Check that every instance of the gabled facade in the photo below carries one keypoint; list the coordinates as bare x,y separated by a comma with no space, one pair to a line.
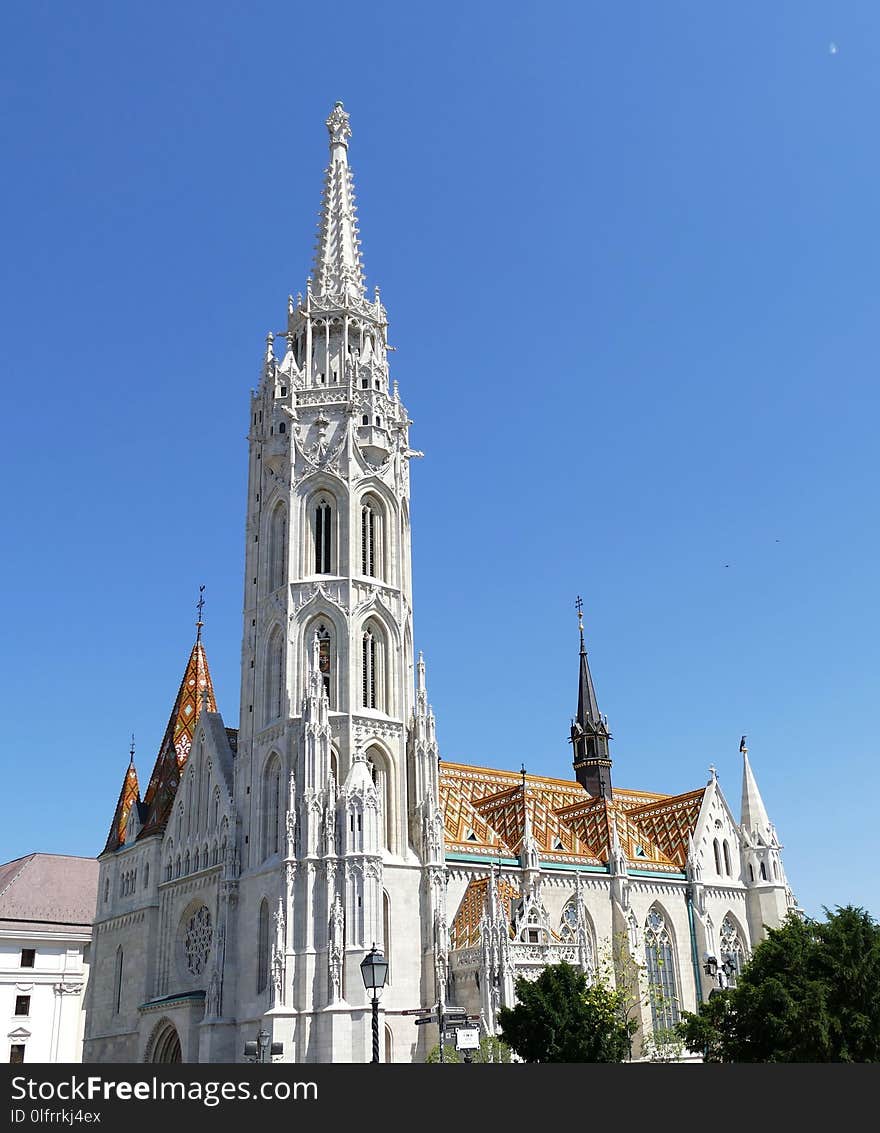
243,890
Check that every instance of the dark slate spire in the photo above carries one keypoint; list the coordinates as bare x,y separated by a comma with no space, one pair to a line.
589,730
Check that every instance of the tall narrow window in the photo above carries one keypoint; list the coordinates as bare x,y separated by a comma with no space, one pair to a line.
386,932
323,538
726,858
368,540
271,805
717,849
274,677
263,947
372,538
661,973
277,546
324,661
372,669
117,993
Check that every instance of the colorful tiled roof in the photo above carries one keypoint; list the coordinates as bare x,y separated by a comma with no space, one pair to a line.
129,796
484,811
465,931
177,741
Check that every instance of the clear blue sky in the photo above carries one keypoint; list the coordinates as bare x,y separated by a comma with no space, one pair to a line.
630,254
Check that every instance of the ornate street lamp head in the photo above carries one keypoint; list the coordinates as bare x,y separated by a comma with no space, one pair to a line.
374,969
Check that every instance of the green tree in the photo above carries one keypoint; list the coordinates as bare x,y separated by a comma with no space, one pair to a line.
562,1018
810,993
491,1049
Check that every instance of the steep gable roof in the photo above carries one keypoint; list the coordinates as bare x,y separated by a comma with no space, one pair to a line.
177,741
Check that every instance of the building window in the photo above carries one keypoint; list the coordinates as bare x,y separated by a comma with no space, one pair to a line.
373,669
371,539
274,677
717,849
272,809
117,993
732,949
16,1053
28,956
661,973
277,546
263,947
325,659
22,1005
197,940
726,858
323,538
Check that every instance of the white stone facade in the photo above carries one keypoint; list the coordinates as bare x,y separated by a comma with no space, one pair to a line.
46,905
323,826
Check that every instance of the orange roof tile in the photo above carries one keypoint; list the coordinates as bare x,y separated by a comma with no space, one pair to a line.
177,741
129,796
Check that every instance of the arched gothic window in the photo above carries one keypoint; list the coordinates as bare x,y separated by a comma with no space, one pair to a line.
277,546
274,677
717,849
372,564
726,858
660,964
763,872
383,782
732,948
263,947
323,520
568,929
271,806
373,668
325,659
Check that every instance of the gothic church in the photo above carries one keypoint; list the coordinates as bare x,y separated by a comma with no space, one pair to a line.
240,891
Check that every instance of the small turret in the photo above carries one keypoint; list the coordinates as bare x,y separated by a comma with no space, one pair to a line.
589,730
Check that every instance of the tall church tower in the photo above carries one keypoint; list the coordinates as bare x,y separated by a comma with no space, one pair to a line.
327,654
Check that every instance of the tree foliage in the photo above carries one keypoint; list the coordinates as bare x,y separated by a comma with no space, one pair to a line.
491,1049
562,1018
810,993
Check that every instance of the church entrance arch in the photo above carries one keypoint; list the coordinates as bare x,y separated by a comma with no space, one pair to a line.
165,1045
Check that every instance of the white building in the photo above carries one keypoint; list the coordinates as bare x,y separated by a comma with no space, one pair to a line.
47,902
243,888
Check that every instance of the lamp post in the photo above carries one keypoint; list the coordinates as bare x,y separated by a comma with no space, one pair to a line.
719,972
374,969
259,1049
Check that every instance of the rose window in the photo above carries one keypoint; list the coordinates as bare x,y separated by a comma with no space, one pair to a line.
197,940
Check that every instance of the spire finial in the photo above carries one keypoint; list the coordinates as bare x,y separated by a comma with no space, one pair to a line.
522,772
579,606
131,749
742,746
338,126
200,605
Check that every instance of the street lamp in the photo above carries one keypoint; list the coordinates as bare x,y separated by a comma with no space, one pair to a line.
374,969
260,1050
721,972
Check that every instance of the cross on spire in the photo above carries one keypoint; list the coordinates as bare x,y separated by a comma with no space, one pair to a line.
200,605
131,749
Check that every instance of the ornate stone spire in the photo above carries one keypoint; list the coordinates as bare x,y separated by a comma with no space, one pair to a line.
338,271
754,818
